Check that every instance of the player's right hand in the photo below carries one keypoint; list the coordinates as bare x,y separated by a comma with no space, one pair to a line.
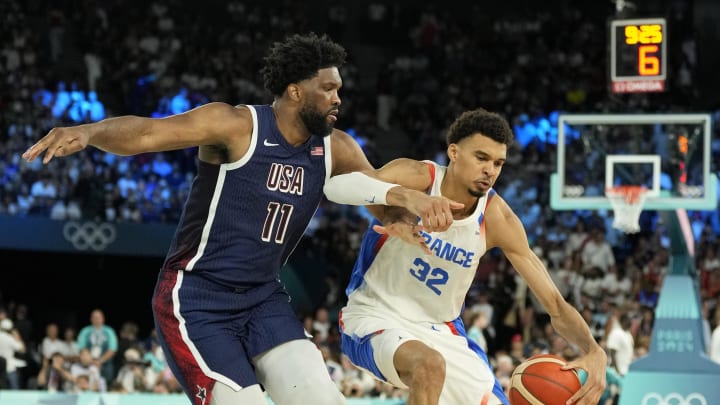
60,141
594,363
436,213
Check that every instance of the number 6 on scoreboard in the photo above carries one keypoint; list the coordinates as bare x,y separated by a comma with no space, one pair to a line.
649,64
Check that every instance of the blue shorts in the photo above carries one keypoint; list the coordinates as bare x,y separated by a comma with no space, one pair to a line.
210,332
371,338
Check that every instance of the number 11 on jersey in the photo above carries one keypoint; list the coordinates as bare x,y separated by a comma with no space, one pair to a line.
285,211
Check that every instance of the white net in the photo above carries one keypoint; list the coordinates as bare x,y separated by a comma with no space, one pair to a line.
627,203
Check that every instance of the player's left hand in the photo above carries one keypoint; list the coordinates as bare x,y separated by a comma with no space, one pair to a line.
594,363
408,232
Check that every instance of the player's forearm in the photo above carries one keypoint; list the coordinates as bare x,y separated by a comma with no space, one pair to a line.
402,196
357,188
570,325
120,135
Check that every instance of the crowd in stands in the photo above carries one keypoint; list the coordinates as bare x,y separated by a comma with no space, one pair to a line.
160,58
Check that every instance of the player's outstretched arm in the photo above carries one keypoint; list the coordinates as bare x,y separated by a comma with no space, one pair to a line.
210,124
401,182
349,161
505,230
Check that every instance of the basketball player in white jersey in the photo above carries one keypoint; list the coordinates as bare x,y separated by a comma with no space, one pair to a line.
402,320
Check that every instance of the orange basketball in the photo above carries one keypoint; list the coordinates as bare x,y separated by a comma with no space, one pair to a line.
540,380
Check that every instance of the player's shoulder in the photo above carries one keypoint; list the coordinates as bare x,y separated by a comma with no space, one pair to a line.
341,139
240,111
220,107
503,224
238,117
494,198
425,168
347,154
219,114
498,209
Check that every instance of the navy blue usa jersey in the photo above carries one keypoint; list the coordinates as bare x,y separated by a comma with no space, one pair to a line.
243,219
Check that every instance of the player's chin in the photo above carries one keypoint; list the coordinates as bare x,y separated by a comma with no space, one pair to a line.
328,130
478,190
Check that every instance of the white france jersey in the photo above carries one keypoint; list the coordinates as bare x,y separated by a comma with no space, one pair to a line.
393,275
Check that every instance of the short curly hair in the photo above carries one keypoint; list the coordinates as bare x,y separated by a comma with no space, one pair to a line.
297,58
481,121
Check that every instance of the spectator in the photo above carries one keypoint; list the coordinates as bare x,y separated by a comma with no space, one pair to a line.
11,344
333,365
597,252
59,210
127,338
70,339
160,165
83,384
52,343
613,388
62,100
355,382
85,366
321,323
25,201
648,295
93,66
132,375
102,341
180,102
616,286
96,108
476,332
79,109
621,345
54,375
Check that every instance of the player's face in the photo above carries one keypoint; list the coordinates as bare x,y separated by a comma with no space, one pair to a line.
320,107
477,162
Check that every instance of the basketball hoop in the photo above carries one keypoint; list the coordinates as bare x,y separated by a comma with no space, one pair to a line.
627,203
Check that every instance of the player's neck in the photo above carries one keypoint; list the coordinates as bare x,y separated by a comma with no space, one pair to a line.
467,210
455,192
289,123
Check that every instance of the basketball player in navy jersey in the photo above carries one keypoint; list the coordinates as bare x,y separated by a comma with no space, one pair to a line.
222,316
402,322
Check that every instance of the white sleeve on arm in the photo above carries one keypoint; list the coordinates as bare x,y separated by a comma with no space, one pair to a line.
357,188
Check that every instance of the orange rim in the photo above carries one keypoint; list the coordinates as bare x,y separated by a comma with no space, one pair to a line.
632,194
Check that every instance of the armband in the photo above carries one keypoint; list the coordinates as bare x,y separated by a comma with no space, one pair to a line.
357,188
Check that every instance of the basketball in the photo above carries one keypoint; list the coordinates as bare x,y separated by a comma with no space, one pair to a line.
540,380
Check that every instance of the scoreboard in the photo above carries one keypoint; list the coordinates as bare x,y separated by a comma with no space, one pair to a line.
638,55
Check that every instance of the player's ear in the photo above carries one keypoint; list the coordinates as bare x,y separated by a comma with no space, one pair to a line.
452,152
293,91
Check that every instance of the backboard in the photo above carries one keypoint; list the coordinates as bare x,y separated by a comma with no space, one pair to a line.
670,154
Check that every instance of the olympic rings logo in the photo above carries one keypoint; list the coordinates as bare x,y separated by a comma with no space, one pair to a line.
573,191
673,398
690,191
89,235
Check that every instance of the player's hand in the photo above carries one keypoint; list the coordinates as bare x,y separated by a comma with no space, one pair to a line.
60,141
435,212
594,363
406,231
